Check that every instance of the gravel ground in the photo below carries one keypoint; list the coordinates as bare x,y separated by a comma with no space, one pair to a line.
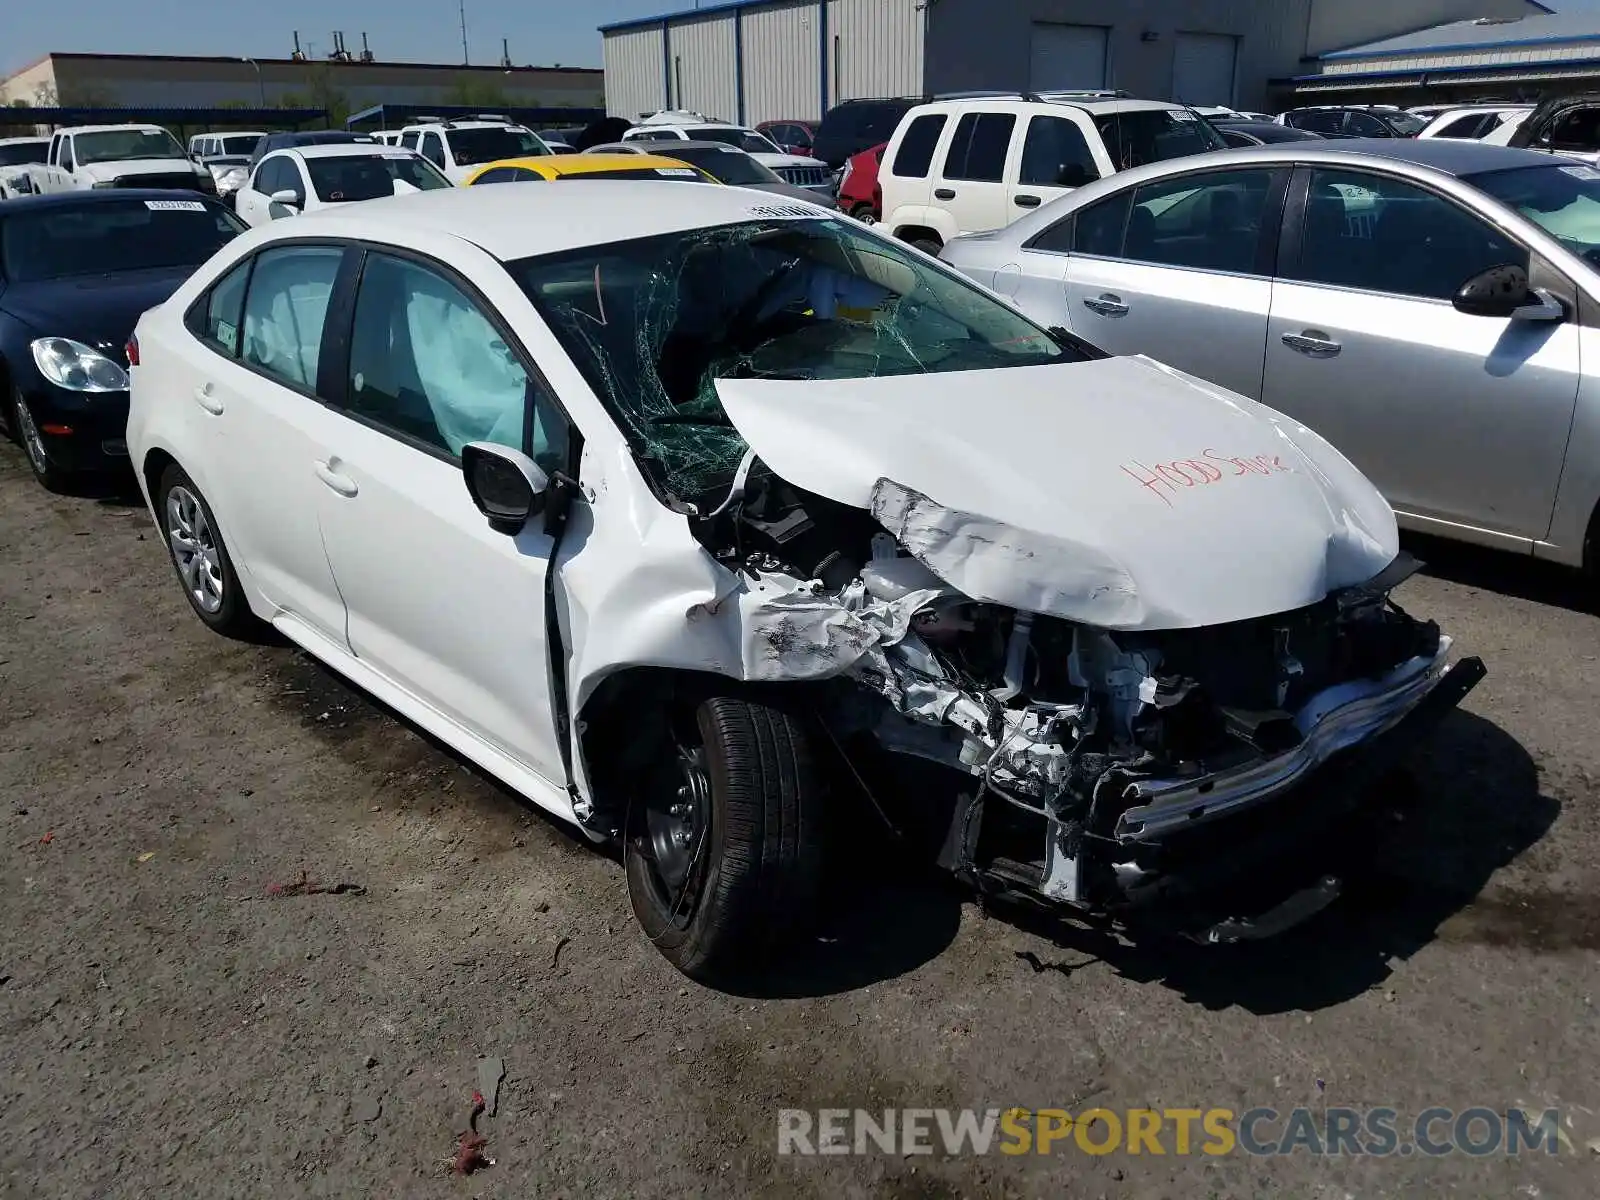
168,1026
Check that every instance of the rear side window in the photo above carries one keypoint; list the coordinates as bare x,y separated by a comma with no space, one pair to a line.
1361,125
915,155
497,175
409,140
285,309
216,321
1055,154
978,150
1100,226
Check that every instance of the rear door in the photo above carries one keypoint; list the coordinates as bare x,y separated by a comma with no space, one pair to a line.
1056,158
1181,269
970,183
906,176
1455,418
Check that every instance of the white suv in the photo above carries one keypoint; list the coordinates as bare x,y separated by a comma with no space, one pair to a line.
964,166
458,148
794,169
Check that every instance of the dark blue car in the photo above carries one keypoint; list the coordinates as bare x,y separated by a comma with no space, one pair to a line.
76,271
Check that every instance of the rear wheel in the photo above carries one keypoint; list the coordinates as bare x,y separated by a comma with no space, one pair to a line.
723,845
927,245
865,214
200,557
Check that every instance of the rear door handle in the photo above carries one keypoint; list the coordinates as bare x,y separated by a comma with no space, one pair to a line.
1312,343
1106,305
1025,201
204,397
342,484
944,193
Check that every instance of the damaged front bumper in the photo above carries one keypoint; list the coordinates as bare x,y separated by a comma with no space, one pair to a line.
1246,855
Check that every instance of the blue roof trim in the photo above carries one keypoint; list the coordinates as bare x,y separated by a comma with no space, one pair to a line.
1460,47
1431,72
708,10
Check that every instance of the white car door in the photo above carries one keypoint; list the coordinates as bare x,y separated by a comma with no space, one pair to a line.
1180,269
256,386
1056,158
1456,418
445,607
970,183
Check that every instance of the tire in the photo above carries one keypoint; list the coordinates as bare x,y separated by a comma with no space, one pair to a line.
927,245
206,572
19,419
754,839
864,214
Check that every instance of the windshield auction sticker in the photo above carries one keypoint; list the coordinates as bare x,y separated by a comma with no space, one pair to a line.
174,206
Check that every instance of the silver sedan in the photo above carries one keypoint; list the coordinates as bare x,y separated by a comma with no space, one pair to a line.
1427,306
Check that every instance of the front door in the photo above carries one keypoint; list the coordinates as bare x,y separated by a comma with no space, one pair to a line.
1455,418
1180,270
442,605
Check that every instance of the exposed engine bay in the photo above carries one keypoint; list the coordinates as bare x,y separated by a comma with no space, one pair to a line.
1057,757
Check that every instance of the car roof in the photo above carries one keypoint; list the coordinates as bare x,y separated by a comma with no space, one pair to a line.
513,223
109,196
12,141
449,125
1095,107
347,150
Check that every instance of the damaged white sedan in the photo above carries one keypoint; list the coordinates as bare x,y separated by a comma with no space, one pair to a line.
726,528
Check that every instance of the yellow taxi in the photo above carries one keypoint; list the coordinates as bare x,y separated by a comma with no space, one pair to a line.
587,166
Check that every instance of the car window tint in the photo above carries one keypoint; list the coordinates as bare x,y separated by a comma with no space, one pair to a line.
978,149
1362,125
425,361
1382,235
1578,129
224,310
1055,154
497,175
915,155
285,309
433,149
1057,237
1470,126
409,140
1100,226
1236,137
1206,222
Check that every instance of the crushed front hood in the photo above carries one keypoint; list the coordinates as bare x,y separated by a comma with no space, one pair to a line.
1118,492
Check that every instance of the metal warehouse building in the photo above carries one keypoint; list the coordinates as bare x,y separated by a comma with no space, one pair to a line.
758,60
1508,58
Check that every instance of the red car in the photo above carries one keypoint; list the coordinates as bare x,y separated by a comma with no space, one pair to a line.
792,137
859,194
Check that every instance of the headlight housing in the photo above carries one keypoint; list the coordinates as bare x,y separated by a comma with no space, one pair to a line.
76,367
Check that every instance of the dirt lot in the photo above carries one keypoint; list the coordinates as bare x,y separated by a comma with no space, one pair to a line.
169,1027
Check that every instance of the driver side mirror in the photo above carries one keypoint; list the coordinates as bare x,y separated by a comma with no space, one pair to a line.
507,486
288,198
1504,292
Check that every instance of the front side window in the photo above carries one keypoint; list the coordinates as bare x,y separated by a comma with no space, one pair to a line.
978,149
1318,120
1361,125
285,309
433,149
1055,154
498,175
655,322
1577,130
369,176
730,166
426,362
915,155
124,145
1155,135
409,140
744,139
1208,222
111,236
1384,235
1564,201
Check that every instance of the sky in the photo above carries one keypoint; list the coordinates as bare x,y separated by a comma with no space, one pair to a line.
542,32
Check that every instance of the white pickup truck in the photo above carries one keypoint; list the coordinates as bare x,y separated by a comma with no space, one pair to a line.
113,156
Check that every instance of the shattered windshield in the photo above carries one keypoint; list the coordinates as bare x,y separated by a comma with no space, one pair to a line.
653,323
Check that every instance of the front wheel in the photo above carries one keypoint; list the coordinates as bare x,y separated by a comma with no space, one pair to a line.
209,580
723,847
26,431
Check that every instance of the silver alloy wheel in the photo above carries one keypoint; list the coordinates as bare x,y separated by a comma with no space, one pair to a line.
29,433
194,549
866,217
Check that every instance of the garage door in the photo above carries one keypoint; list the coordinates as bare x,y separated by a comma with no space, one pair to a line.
1067,56
1202,68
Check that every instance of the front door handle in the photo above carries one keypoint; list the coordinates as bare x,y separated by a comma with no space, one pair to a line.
342,484
1025,201
944,193
1313,343
206,400
1106,305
